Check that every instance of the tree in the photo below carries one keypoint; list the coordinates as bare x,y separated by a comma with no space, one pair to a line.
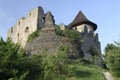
15,65
112,58
55,65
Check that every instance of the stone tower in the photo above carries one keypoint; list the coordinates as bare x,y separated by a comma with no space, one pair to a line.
26,25
49,19
87,29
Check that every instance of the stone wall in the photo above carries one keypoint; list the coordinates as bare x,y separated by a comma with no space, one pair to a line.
26,25
91,41
48,41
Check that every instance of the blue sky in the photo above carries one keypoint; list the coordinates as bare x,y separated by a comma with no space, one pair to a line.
105,13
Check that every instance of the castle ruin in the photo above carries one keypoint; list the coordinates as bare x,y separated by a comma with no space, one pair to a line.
36,19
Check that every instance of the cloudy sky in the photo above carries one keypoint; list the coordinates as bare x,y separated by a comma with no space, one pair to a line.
105,13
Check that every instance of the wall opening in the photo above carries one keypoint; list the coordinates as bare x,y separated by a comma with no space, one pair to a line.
11,29
19,23
30,13
18,34
75,28
43,20
26,29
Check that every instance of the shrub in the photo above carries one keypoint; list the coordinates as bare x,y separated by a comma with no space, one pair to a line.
58,31
71,34
55,65
112,57
33,35
15,65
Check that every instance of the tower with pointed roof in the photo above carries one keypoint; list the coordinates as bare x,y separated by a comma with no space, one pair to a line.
81,21
90,38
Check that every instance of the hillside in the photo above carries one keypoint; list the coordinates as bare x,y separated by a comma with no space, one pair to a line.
15,65
57,45
49,41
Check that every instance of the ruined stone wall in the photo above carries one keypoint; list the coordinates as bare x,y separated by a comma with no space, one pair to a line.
49,42
26,25
90,41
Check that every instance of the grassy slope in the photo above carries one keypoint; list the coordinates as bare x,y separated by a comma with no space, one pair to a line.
81,72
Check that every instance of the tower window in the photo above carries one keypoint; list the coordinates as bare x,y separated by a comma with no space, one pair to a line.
26,29
75,28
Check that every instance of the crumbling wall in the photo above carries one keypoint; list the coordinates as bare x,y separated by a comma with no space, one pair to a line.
26,25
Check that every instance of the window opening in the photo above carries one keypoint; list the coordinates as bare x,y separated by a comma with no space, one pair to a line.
11,29
26,29
19,24
18,34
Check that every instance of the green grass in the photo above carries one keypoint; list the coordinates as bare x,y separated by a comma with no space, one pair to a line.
81,72
116,78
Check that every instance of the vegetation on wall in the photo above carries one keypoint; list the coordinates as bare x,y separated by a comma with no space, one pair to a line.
71,34
34,35
94,54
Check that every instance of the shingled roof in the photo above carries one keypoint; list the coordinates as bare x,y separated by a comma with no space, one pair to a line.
81,19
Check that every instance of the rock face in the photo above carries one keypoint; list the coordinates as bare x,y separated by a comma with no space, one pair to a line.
48,41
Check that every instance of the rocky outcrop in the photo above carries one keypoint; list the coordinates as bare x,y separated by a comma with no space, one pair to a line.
48,42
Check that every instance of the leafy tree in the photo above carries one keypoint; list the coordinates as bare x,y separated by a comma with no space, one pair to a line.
112,57
94,54
15,65
73,35
55,65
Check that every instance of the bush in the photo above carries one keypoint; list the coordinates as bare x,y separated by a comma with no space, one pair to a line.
15,65
33,35
58,31
112,57
55,65
71,34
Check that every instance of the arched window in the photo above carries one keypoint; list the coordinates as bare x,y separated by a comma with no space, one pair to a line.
26,29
